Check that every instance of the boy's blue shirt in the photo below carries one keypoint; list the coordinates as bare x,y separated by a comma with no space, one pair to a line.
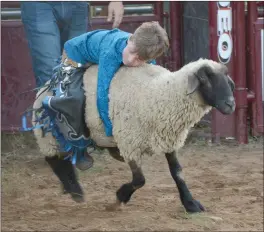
102,47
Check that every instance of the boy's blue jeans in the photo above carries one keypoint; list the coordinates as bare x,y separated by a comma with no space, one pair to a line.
48,25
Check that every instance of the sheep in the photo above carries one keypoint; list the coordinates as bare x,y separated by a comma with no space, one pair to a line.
152,111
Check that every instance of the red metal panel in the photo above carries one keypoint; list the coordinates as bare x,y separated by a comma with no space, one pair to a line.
222,125
9,4
16,75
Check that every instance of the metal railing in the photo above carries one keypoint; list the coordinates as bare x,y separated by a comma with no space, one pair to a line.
15,13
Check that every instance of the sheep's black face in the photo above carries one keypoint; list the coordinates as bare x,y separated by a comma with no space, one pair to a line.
217,88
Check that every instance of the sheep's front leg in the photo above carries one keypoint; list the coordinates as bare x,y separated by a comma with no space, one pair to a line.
125,192
191,205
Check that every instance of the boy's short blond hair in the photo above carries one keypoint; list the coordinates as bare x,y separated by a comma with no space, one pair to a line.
150,40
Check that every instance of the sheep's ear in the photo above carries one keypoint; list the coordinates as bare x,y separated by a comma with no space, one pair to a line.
200,77
203,74
193,84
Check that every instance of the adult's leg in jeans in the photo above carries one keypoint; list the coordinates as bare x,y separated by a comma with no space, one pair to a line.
43,38
72,19
79,23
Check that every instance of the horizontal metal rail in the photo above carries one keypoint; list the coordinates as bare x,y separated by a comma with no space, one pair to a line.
16,4
15,13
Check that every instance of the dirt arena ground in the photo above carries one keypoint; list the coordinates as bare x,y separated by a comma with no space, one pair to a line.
226,179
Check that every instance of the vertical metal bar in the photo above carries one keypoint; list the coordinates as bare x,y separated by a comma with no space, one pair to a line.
158,11
166,57
251,72
239,26
212,17
258,110
176,34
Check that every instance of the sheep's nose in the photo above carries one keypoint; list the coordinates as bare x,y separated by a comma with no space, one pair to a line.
230,101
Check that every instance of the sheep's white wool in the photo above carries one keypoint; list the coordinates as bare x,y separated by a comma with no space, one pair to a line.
149,109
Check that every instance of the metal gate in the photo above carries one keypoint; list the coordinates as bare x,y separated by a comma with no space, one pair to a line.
243,24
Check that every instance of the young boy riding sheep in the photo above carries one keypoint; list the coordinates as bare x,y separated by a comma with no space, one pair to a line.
110,49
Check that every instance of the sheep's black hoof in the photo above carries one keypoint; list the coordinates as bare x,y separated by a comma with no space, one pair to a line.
125,192
77,197
193,206
76,193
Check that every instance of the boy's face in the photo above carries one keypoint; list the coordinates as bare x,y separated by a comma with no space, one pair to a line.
130,56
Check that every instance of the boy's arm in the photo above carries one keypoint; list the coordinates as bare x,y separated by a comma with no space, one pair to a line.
107,68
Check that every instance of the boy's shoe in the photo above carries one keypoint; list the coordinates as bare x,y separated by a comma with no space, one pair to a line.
85,162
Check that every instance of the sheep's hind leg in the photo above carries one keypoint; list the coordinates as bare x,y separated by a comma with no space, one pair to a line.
191,205
64,170
125,192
